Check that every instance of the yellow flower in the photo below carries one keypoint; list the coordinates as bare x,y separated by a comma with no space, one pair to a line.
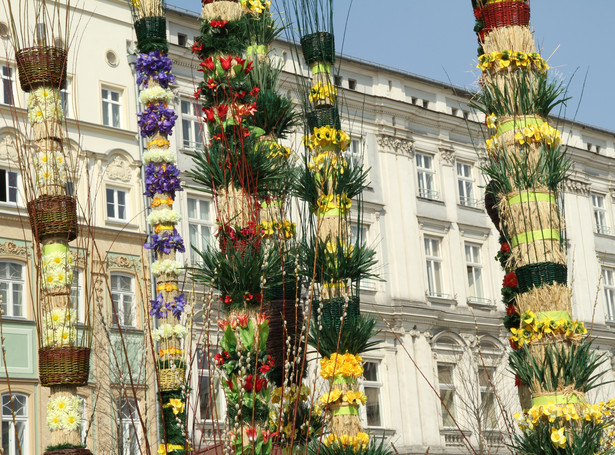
177,405
557,438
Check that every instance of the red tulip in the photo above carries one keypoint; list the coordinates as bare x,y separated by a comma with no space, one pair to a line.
209,64
226,62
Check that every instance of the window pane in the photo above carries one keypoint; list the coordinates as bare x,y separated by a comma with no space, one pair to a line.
445,374
372,407
116,115
17,300
204,209
110,203
448,401
370,371
192,208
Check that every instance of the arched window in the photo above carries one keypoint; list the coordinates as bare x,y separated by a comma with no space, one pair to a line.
15,430
11,288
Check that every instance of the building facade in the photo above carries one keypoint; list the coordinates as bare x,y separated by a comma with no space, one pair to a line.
438,304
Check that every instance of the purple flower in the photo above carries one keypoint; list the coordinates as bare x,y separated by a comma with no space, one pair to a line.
158,307
154,65
157,117
162,178
177,305
165,242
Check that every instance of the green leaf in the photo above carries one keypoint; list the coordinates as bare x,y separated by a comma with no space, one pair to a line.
256,131
264,334
228,342
247,336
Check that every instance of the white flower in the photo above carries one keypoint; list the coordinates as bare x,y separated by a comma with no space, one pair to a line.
60,404
54,420
156,335
50,336
180,331
155,95
44,103
157,155
164,216
167,266
71,421
167,330
66,336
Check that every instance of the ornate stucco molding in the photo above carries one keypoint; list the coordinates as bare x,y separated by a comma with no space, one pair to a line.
119,169
123,262
576,186
13,249
398,146
447,155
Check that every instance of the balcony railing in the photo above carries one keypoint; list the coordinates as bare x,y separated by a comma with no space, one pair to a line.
429,194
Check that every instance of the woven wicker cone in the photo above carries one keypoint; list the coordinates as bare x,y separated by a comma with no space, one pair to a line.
549,297
47,129
516,38
331,228
226,11
236,207
171,379
527,217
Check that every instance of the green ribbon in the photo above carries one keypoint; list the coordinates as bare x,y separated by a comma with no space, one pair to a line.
55,248
351,410
557,399
526,237
339,379
257,49
528,196
519,123
321,68
555,315
331,212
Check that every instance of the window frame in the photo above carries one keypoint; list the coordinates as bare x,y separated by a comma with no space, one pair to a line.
475,265
601,221
425,175
366,284
131,423
437,260
8,84
9,311
446,387
373,384
216,414
463,181
117,314
77,286
608,285
190,120
115,203
200,223
16,187
23,419
488,390
107,104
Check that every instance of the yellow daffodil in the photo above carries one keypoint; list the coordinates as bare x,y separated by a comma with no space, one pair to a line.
557,438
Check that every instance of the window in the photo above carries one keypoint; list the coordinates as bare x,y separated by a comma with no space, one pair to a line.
191,126
433,257
602,226
209,396
446,389
487,398
84,419
372,386
360,233
352,84
426,177
355,152
465,182
337,80
15,431
116,204
111,107
123,297
9,186
76,295
608,282
182,39
199,225
11,289
6,76
65,99
474,270
128,424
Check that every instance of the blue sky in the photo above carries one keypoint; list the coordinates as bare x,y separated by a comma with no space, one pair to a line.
434,38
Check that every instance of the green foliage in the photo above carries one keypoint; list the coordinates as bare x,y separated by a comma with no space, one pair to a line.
354,338
510,172
525,93
228,40
64,446
581,439
563,365
374,447
171,424
263,28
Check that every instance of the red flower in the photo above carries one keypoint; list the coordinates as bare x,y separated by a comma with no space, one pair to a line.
267,434
243,320
197,94
226,354
518,381
218,24
252,434
505,248
210,117
226,62
240,61
228,300
219,359
513,345
211,83
230,385
261,383
222,323
209,64
270,360
510,280
197,47
265,368
249,68
478,13
254,92
249,384
510,309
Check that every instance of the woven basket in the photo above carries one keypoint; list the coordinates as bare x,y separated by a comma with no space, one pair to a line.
66,366
53,216
536,275
333,309
505,14
171,379
318,47
323,117
68,452
152,34
286,290
41,65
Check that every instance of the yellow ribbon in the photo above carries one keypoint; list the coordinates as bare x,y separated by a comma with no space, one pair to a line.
158,142
167,287
320,68
162,227
527,196
557,399
170,351
532,236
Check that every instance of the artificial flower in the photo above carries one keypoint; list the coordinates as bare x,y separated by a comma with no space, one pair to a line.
164,216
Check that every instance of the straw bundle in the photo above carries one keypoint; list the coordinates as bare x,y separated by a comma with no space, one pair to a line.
331,228
344,424
515,37
223,10
236,207
550,297
171,378
335,290
502,80
47,129
148,8
532,222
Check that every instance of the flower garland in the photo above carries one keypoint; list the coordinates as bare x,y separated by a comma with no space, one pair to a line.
348,365
45,104
529,135
64,413
327,137
166,331
285,229
160,308
337,396
323,92
535,328
164,216
162,178
57,269
166,242
157,117
511,59
50,167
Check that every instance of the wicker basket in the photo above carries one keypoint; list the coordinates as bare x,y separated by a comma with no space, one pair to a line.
333,309
41,65
171,378
151,27
68,452
505,14
536,275
286,290
318,47
66,366
323,117
53,216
